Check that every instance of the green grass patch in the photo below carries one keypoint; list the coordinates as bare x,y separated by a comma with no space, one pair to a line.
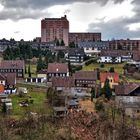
33,70
118,67
39,104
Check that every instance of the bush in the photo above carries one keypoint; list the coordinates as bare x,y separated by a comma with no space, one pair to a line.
75,68
102,66
136,75
111,69
99,105
89,62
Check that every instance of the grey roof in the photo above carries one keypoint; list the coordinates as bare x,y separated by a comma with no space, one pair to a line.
60,108
94,44
76,51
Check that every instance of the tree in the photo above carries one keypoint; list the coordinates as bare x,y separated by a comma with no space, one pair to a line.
106,90
92,94
72,45
29,70
39,63
8,54
111,69
69,67
46,61
62,43
25,69
57,43
60,55
4,109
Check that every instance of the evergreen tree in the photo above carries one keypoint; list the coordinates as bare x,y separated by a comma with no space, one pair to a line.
57,43
62,43
69,67
92,94
4,109
29,70
46,62
25,69
39,63
106,90
111,69
72,45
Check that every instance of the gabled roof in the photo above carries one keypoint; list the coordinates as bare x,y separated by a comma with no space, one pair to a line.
126,89
12,64
43,71
63,82
10,78
76,51
106,75
57,68
2,77
85,75
115,53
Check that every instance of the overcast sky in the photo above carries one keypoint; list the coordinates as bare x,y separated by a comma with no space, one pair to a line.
119,19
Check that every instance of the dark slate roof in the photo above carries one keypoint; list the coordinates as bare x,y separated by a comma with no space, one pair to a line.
85,75
63,82
126,89
115,53
12,64
57,68
76,51
93,44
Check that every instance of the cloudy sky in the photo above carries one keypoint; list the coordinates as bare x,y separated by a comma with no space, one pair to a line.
113,18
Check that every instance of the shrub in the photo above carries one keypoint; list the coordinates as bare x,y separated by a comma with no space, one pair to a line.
102,66
111,69
99,105
136,75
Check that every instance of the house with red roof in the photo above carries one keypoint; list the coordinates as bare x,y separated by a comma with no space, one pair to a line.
85,79
57,70
113,78
13,66
8,82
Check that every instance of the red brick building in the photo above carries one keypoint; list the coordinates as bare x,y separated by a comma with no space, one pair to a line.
55,28
78,37
125,44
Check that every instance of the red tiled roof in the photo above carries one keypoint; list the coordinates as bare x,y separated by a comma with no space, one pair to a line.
63,82
106,75
125,89
136,55
12,64
1,88
2,77
57,68
10,78
85,75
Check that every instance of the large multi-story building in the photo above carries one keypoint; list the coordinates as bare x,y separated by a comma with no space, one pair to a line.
55,28
127,44
80,37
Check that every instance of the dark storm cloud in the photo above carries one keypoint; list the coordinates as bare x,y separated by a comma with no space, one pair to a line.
21,9
46,3
118,28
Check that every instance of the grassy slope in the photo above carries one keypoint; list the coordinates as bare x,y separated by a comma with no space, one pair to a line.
118,67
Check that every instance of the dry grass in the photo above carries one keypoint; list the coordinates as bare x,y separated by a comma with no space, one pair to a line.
87,105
